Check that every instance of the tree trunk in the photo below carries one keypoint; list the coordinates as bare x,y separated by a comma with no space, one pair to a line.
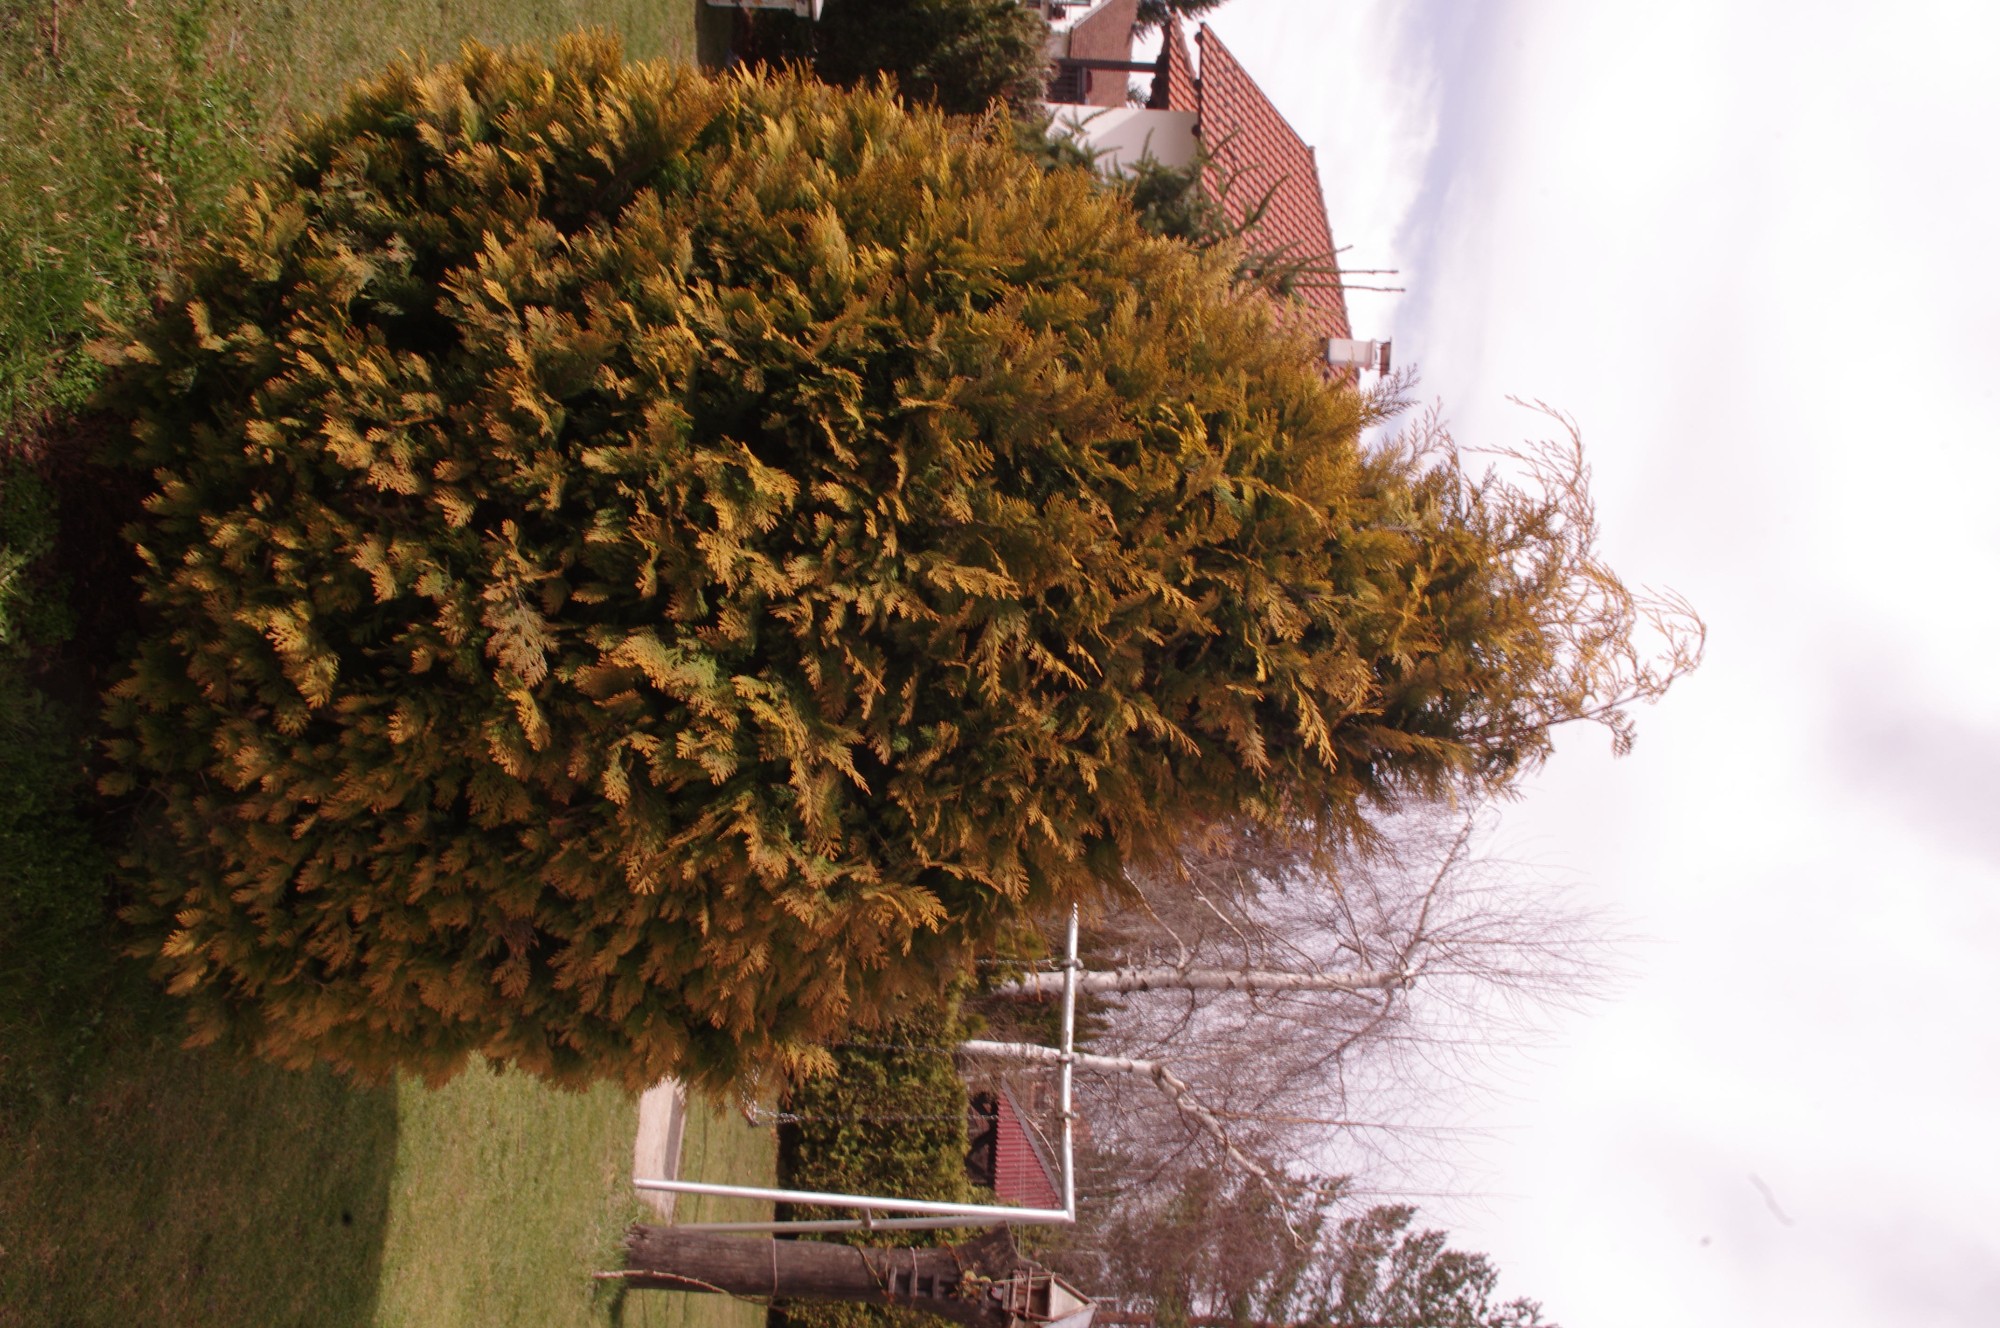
949,1281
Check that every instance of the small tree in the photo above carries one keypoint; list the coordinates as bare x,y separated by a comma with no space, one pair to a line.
1154,13
961,56
1381,1274
890,1118
647,570
1218,1253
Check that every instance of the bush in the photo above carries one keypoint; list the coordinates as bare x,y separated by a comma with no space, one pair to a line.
53,915
890,1118
964,57
961,56
647,570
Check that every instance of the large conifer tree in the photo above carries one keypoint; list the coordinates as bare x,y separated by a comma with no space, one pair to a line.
647,569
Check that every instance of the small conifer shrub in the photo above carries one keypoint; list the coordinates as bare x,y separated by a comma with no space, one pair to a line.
646,570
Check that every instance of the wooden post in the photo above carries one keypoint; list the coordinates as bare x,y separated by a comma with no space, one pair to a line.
951,1281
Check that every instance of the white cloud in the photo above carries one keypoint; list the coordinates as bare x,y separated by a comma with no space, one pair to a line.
1749,247
1359,83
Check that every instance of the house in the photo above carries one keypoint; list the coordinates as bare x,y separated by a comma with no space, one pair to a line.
1090,47
1263,175
1006,1157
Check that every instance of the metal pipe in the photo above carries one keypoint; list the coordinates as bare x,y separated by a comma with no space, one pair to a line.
845,1224
1109,66
1070,967
867,1201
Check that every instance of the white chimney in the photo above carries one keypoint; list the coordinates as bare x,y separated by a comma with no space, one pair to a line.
1358,354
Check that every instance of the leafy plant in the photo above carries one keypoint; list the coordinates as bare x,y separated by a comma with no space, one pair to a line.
649,570
961,56
52,898
1153,13
889,1118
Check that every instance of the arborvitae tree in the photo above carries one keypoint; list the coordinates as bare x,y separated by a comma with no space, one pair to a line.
646,570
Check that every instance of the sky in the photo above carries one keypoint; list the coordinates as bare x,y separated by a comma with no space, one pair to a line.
1749,248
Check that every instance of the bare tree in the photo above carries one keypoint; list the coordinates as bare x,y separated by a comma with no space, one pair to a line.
1298,990
1292,1019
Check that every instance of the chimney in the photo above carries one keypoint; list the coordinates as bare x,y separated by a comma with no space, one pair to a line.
1342,354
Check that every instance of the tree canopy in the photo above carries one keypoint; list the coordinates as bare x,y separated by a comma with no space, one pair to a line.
1153,13
964,57
1217,1249
647,569
961,56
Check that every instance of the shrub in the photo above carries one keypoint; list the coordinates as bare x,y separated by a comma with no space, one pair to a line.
890,1118
53,955
647,570
962,56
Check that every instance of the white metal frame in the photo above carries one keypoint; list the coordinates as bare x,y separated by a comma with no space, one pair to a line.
922,1213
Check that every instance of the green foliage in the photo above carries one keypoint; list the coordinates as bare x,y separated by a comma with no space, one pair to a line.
1381,1273
1219,1249
52,875
889,1119
647,571
962,56
1153,13
33,611
53,954
1184,203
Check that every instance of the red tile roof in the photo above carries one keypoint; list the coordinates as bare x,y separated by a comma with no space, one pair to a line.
1022,1173
1259,159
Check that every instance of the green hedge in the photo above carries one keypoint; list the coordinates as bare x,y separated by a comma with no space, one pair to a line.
53,948
890,1119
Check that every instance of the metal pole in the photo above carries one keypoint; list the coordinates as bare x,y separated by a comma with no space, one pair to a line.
847,1224
923,1207
1070,966
928,1213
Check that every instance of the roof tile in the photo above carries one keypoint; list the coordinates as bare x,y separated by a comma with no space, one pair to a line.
1260,161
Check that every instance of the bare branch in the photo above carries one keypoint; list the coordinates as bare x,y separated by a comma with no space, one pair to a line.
1171,1084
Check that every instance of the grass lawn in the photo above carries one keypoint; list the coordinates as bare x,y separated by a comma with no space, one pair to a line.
506,1195
121,126
180,1188
141,1183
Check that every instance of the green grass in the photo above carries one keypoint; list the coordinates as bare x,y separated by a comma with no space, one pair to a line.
123,124
142,1183
178,1188
507,1195
182,1188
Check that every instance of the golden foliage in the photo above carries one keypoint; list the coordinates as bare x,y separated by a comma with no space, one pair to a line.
647,569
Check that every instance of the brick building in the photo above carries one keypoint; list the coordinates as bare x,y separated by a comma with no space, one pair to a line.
1204,104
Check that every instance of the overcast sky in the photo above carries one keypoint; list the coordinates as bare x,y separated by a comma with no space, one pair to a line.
1754,249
